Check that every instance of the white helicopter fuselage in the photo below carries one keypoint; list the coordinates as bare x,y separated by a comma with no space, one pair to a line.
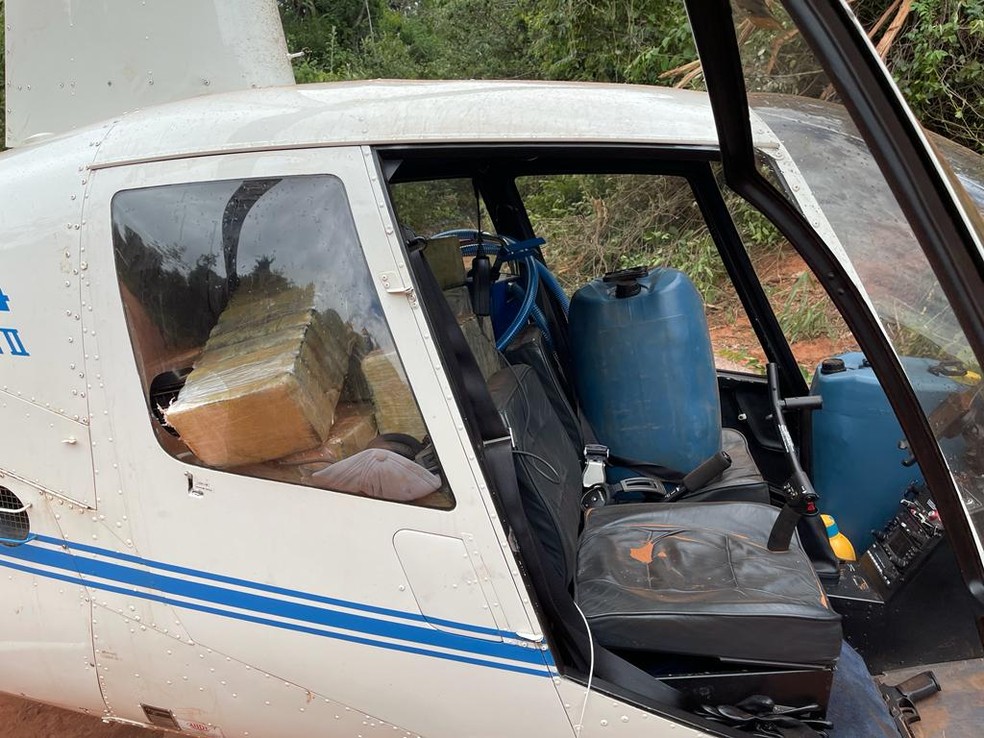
240,605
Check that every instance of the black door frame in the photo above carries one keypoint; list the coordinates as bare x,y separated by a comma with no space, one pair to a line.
891,133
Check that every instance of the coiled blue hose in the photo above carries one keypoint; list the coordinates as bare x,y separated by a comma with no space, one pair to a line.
525,307
551,283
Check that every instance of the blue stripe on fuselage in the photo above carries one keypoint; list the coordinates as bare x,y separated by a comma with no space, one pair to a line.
151,564
274,623
82,568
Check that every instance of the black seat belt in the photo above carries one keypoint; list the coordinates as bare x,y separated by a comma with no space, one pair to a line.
489,432
656,483
643,468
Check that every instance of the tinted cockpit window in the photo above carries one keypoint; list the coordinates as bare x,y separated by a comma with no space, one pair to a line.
260,340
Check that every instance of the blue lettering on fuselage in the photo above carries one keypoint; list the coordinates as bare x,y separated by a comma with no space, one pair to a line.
14,342
11,336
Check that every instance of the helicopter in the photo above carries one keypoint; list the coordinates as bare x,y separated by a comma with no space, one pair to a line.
288,450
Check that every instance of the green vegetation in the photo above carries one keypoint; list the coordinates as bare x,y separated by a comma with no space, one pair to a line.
595,224
939,62
936,52
744,359
935,48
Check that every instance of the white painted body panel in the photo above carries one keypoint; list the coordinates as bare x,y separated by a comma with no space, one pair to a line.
46,650
43,389
75,62
402,111
455,596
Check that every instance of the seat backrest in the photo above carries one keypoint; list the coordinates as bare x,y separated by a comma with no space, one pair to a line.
530,348
547,465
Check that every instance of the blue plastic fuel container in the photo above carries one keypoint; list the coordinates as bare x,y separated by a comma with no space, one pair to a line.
644,367
857,462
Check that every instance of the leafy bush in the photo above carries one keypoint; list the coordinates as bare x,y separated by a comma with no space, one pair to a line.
939,63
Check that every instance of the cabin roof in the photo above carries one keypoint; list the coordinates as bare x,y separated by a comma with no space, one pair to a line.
408,112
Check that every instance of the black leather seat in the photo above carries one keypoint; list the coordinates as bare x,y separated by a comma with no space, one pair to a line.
683,578
697,578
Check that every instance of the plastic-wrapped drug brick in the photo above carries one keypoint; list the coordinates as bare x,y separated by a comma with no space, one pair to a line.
267,382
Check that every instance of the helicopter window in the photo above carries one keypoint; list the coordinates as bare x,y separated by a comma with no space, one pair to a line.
428,208
260,340
811,323
595,223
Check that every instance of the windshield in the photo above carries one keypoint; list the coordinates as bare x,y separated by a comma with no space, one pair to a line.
823,158
846,182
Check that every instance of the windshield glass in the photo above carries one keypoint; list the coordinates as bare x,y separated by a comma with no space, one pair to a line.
824,164
846,182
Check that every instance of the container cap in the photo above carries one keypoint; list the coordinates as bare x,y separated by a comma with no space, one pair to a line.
626,281
832,366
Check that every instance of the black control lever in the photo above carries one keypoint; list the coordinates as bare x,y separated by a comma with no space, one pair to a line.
657,490
799,503
902,698
810,402
708,470
801,498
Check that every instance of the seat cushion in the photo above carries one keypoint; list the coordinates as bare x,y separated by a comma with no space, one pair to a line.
697,579
741,482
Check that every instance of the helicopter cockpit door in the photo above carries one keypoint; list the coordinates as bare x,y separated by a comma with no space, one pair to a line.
888,272
235,554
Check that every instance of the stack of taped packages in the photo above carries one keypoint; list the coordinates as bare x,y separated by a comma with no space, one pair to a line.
285,391
396,411
268,381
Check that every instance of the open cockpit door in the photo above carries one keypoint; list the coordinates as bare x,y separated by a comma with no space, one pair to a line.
905,265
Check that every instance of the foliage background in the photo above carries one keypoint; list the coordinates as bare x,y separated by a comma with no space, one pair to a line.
936,53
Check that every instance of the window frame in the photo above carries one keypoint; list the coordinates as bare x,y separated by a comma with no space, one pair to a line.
284,164
495,167
946,234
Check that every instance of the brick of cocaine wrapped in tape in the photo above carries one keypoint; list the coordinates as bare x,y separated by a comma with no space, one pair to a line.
267,382
478,332
443,256
353,430
478,336
396,409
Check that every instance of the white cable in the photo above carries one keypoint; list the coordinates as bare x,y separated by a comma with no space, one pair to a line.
584,707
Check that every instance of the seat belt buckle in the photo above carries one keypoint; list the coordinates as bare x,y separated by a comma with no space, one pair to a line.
595,461
650,490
